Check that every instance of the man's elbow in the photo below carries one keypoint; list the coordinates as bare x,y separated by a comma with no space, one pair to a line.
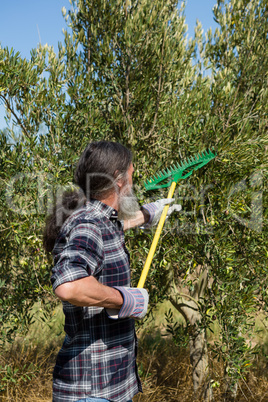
65,291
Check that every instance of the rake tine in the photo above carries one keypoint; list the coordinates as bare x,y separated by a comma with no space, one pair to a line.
175,172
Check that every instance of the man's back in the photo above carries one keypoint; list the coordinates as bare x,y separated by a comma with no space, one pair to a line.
98,356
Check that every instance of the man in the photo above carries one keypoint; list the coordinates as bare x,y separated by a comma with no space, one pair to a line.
91,276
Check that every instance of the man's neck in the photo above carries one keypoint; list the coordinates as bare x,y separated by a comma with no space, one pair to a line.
111,201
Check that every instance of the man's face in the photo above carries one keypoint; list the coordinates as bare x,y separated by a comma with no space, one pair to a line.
128,204
128,184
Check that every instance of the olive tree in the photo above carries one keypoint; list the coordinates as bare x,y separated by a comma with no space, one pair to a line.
225,259
124,72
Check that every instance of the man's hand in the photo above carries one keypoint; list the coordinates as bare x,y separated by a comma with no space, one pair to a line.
134,306
150,214
154,210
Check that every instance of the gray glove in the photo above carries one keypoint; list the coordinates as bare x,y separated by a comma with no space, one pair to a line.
135,303
155,209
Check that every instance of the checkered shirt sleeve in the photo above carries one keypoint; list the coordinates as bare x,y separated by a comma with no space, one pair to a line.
82,255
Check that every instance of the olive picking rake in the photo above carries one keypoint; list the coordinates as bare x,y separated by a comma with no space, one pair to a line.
170,178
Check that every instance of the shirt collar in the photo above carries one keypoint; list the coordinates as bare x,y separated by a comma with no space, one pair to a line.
104,209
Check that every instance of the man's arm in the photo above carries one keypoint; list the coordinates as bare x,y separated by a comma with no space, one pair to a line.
140,219
150,214
76,266
89,292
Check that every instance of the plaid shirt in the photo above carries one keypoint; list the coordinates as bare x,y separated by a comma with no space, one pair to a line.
98,356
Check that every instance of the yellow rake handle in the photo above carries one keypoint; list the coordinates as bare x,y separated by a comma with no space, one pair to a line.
156,238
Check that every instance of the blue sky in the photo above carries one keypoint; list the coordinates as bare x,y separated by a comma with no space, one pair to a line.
25,23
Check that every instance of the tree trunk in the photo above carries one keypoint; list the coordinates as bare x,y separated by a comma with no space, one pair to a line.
188,306
200,363
231,387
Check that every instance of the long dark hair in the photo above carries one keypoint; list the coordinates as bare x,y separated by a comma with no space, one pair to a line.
100,165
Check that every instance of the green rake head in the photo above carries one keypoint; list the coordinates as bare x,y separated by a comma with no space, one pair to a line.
179,171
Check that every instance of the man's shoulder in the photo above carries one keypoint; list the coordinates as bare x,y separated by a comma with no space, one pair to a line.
83,216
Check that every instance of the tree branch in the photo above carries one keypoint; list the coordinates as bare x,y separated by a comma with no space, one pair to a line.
183,303
19,121
159,90
88,49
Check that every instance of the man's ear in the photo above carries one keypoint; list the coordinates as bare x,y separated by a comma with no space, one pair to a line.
121,185
120,182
